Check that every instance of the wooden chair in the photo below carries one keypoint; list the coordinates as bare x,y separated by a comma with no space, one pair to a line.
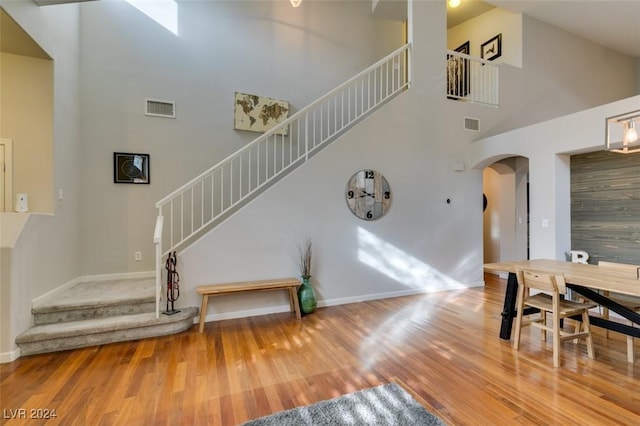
550,303
629,302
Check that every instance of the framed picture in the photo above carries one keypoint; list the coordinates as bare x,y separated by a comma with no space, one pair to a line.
492,48
258,113
463,48
130,168
458,80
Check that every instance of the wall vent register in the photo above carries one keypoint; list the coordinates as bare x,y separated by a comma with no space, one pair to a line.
472,124
156,108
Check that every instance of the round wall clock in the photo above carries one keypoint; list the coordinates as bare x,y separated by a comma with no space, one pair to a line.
368,194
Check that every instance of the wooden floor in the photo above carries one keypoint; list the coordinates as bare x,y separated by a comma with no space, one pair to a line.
441,347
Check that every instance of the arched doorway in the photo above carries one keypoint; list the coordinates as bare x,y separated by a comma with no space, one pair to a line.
506,216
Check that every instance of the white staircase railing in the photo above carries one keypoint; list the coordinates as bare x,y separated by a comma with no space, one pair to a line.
472,79
196,206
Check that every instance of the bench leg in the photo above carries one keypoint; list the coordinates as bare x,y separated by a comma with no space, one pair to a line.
293,300
203,312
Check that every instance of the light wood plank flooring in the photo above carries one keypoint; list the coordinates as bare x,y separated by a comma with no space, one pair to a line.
441,347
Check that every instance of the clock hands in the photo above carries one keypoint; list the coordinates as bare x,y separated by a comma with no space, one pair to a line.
362,185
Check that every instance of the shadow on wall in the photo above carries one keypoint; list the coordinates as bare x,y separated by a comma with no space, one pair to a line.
400,266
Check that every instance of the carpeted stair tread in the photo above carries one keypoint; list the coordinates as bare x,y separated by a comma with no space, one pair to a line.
102,325
100,294
99,313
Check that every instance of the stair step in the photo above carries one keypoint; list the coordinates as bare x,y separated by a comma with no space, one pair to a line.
77,334
97,300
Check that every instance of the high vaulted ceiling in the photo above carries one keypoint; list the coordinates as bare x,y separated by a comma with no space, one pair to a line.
467,10
611,23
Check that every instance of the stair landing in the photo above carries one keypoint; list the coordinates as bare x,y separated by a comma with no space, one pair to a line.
96,313
97,299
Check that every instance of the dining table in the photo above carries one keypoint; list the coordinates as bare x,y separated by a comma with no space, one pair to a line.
591,281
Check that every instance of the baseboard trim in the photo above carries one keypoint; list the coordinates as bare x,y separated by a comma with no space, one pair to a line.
369,297
6,357
325,303
121,276
55,291
90,278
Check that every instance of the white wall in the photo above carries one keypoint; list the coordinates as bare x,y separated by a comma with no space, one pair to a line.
227,46
421,244
11,226
637,67
491,225
413,141
548,145
484,27
521,214
127,57
505,219
263,48
554,80
47,255
499,184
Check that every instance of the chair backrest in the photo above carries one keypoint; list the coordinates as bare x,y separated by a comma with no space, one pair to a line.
540,280
627,269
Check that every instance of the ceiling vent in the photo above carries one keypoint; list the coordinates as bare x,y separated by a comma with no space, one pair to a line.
157,108
472,124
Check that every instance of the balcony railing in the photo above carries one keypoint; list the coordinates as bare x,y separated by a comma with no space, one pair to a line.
472,79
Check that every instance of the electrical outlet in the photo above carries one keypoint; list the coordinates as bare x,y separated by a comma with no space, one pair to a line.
137,256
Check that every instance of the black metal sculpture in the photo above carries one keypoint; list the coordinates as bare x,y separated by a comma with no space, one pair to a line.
173,289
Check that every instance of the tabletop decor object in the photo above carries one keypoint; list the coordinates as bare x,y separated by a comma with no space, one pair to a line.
306,294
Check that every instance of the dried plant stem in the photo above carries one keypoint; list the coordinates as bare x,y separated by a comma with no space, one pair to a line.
304,258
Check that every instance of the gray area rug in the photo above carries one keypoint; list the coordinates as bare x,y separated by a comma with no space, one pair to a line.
383,405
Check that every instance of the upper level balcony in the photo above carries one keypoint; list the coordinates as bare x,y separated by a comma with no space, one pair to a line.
472,79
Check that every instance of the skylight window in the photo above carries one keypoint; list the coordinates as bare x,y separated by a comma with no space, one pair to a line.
164,12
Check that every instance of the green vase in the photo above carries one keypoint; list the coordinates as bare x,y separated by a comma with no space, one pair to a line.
307,297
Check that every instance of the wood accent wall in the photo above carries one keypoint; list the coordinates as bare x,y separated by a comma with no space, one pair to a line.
605,206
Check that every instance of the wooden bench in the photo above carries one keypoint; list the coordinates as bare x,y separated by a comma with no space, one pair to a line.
290,284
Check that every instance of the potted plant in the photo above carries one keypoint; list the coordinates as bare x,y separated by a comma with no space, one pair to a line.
306,295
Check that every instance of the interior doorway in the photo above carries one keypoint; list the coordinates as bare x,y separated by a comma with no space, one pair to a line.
6,174
506,216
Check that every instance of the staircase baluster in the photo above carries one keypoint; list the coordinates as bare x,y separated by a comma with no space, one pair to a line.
182,215
319,127
171,224
213,213
221,190
192,208
375,85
